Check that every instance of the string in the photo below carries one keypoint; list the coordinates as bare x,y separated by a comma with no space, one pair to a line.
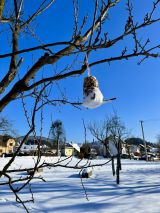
88,69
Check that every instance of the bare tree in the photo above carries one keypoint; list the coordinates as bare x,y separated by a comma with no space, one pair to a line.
111,126
117,131
111,129
87,38
99,129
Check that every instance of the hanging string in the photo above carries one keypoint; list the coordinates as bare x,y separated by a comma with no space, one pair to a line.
88,69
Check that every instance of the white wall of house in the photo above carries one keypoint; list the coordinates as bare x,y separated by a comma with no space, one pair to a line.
26,148
134,148
124,151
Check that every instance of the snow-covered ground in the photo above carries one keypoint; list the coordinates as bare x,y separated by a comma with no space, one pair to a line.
62,192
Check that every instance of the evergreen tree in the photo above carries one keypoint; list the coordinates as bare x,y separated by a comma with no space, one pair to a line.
57,134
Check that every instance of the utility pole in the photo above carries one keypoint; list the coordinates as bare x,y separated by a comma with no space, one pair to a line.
144,142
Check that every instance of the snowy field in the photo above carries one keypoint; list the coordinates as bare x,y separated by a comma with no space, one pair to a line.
62,192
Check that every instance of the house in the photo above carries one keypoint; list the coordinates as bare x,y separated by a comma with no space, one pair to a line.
67,151
142,148
70,149
124,148
148,150
134,149
31,146
7,144
155,153
154,150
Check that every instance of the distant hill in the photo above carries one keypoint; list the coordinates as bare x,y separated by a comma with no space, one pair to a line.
32,138
44,140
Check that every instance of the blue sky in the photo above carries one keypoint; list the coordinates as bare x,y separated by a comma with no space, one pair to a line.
135,86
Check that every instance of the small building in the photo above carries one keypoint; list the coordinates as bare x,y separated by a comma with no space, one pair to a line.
124,148
70,149
147,150
133,149
7,144
31,146
67,151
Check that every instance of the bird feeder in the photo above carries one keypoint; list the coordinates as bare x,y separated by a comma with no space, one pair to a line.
92,96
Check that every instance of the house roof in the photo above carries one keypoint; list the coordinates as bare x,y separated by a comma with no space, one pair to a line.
154,150
76,147
68,145
73,146
148,146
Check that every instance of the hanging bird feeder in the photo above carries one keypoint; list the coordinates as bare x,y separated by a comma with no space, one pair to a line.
92,95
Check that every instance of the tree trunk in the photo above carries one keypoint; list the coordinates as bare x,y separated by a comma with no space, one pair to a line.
118,169
58,147
113,167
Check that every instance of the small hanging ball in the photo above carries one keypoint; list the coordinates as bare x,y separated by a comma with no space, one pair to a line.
92,96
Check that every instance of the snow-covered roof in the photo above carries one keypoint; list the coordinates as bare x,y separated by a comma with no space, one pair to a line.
75,146
154,150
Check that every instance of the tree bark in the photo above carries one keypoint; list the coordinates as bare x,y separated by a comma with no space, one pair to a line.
113,167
